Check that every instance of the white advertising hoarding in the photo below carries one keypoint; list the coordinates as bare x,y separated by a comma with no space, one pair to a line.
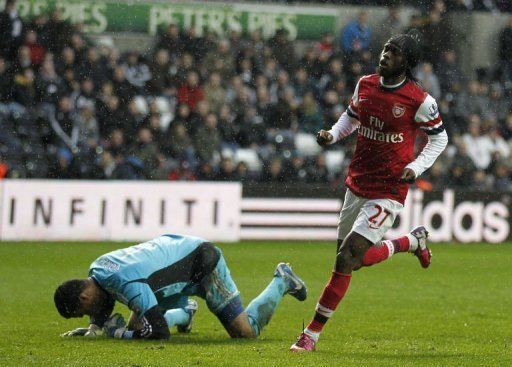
119,210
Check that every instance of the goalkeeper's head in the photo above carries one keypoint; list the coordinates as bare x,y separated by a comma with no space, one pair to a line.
79,297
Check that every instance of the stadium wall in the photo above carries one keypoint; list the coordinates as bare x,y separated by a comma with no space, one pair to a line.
45,210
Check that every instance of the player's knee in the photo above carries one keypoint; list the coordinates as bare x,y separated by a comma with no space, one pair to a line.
242,332
339,242
344,259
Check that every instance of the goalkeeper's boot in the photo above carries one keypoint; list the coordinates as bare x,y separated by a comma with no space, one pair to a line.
304,343
191,309
422,252
296,286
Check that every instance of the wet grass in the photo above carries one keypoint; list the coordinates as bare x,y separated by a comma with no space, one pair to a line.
457,313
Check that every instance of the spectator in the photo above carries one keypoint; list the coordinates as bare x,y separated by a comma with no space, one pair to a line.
64,127
226,171
207,140
48,84
296,170
243,173
191,92
319,173
137,72
67,60
11,30
178,144
59,32
356,35
436,36
206,172
505,49
221,60
282,49
229,131
502,176
389,26
471,102
461,170
145,150
478,147
171,41
37,51
122,88
62,166
326,44
450,77
310,115
24,90
93,67
22,60
273,171
429,80
214,92
499,106
5,82
182,173
302,83
88,131
162,78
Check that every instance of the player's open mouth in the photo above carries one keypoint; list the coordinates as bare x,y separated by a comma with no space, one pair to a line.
383,63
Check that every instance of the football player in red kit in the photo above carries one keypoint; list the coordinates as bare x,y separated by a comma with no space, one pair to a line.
388,110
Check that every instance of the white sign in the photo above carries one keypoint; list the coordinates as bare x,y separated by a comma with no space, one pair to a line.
488,221
119,210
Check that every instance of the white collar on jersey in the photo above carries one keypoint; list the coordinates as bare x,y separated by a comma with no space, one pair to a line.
391,86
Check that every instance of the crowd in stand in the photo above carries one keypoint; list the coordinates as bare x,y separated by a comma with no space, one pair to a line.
200,107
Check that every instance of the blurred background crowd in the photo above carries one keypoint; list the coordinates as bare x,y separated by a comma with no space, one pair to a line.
240,108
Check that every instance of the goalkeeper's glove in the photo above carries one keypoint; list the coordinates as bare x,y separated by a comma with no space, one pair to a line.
91,332
115,326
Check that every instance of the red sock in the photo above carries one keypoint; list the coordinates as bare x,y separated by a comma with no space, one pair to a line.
385,250
332,295
401,244
376,254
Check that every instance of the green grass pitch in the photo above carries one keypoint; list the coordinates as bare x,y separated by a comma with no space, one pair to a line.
457,313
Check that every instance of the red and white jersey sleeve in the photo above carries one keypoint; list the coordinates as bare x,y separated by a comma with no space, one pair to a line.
428,116
353,106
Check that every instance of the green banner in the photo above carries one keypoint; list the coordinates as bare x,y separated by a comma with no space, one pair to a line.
149,17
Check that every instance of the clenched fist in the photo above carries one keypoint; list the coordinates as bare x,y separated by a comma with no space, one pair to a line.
323,138
408,176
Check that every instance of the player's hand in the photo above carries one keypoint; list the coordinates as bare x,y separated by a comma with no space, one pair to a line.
94,331
87,332
408,176
113,324
81,331
323,138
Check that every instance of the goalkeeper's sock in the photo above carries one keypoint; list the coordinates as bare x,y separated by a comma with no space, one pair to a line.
261,309
177,316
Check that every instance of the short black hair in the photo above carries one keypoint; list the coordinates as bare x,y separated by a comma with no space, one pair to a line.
67,297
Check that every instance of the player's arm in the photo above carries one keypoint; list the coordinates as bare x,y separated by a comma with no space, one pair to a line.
142,301
430,121
346,124
152,326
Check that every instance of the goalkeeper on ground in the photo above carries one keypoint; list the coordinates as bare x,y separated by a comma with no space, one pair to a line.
154,279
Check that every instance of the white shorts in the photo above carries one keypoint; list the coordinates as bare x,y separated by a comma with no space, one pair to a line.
371,218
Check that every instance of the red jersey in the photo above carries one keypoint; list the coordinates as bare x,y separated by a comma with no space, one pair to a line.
390,118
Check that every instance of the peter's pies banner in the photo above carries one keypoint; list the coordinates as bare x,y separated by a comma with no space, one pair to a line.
152,16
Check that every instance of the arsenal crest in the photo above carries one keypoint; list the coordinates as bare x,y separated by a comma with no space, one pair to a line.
398,110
